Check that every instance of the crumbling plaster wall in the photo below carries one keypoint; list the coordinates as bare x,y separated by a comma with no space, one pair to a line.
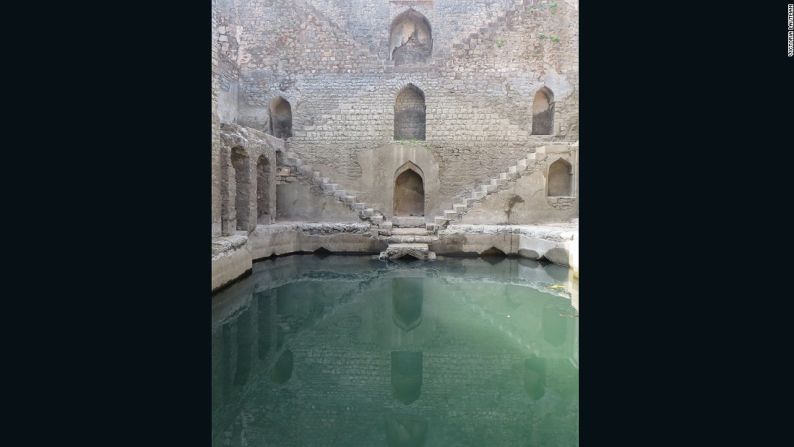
330,60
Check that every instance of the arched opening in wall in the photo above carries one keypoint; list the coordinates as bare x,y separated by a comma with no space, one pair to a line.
409,194
410,38
543,112
409,114
280,118
560,179
263,190
225,205
242,187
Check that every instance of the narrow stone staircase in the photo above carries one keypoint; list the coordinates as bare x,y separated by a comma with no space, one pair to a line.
500,182
364,211
505,18
406,241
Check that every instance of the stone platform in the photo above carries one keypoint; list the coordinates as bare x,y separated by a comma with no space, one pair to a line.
414,250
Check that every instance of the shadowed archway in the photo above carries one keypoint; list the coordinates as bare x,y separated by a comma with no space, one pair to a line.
409,194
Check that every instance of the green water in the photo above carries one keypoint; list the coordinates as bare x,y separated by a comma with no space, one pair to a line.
352,351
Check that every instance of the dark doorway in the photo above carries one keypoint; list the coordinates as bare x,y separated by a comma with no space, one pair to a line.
409,194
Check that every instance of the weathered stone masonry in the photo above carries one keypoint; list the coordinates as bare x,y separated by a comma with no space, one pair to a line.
353,90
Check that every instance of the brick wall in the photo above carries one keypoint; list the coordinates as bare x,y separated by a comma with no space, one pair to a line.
330,60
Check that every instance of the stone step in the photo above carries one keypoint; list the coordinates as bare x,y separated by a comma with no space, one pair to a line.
408,221
450,214
460,207
421,231
329,187
522,165
415,250
411,239
440,220
359,206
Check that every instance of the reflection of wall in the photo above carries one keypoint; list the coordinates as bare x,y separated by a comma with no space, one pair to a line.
455,359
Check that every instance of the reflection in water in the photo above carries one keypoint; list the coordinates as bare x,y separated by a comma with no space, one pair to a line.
282,370
245,342
535,377
407,298
406,375
334,320
226,362
405,431
264,323
555,324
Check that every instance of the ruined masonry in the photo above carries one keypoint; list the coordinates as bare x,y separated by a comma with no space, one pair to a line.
406,128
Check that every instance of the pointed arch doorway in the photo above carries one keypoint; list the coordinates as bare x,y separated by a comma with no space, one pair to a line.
409,191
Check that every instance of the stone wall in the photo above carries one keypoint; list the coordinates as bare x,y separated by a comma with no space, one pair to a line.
331,60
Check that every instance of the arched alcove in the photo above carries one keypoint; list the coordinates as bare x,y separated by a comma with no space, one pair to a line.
242,187
543,112
280,118
560,179
410,38
409,193
263,190
409,114
225,195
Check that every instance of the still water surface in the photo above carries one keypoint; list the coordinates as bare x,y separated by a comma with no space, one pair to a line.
352,351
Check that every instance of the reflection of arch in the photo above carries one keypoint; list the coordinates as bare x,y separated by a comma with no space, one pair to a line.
265,323
405,431
409,114
543,112
410,38
555,325
242,187
282,370
407,300
535,377
280,118
409,193
560,179
263,190
245,342
406,375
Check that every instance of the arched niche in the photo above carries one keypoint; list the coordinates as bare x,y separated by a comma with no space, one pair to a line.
409,114
263,182
410,38
280,118
560,181
543,112
409,191
242,183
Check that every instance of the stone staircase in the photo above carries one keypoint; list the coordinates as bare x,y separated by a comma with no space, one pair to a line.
364,211
507,17
358,46
501,181
406,241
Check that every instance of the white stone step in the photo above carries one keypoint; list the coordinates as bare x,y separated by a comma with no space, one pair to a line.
460,207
